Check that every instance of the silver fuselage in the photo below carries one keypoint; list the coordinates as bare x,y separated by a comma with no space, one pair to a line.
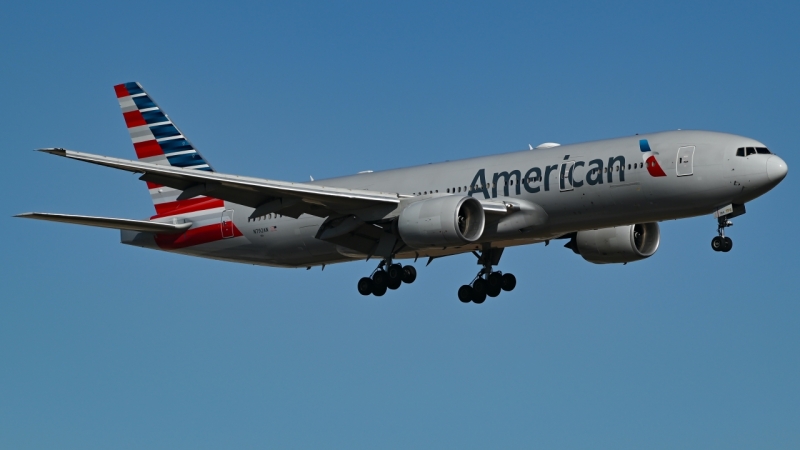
580,187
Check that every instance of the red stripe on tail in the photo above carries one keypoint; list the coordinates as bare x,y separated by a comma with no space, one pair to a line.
186,206
134,119
147,149
121,91
194,236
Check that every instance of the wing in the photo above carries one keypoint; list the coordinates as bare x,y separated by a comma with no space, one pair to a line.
266,196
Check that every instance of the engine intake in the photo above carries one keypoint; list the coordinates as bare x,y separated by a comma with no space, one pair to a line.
441,222
618,244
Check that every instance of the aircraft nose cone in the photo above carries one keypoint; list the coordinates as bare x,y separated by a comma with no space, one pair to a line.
776,168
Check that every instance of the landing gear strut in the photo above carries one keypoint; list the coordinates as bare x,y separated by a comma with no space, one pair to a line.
487,282
386,276
722,243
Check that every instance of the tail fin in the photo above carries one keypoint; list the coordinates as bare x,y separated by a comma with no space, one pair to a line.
156,139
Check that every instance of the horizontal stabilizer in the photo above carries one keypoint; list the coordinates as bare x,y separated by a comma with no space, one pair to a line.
108,222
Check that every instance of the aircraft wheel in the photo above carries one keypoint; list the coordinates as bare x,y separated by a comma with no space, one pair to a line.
465,293
378,291
365,286
493,291
379,278
478,297
509,282
727,244
717,243
394,283
409,274
495,280
479,286
394,272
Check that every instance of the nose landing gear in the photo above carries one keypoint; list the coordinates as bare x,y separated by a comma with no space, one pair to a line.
487,282
722,243
386,276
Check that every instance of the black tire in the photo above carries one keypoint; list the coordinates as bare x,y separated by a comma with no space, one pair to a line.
379,278
727,244
394,284
493,291
378,291
509,282
717,243
478,297
494,280
409,274
479,286
394,272
365,286
465,293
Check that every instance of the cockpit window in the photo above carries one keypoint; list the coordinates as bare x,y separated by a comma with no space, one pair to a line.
752,151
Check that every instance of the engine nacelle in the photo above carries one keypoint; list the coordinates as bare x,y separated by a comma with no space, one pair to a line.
441,222
617,245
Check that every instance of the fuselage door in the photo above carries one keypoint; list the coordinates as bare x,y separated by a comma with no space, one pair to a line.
565,176
683,165
227,223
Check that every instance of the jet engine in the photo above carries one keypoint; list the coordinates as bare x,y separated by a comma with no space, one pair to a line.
618,244
441,222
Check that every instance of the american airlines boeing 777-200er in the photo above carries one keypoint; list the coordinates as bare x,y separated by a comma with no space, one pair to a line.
605,197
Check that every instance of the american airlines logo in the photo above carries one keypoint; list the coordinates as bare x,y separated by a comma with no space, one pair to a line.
653,168
536,179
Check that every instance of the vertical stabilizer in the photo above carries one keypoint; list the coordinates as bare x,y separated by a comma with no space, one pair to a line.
157,140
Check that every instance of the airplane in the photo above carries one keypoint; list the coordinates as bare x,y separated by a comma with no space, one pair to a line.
605,198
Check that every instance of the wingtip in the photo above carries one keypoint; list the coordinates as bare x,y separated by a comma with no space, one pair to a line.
53,151
23,215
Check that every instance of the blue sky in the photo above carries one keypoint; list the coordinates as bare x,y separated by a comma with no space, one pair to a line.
110,346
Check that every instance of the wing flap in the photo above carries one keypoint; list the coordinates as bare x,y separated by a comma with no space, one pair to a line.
110,222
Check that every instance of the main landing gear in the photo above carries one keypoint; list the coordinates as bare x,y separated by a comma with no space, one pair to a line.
386,276
487,282
722,243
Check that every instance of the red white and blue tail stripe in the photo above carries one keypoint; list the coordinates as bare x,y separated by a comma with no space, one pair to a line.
157,140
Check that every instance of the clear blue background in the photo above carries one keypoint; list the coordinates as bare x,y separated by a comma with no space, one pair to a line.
108,346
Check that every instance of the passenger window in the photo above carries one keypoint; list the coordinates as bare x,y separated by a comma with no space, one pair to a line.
763,151
740,151
751,151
